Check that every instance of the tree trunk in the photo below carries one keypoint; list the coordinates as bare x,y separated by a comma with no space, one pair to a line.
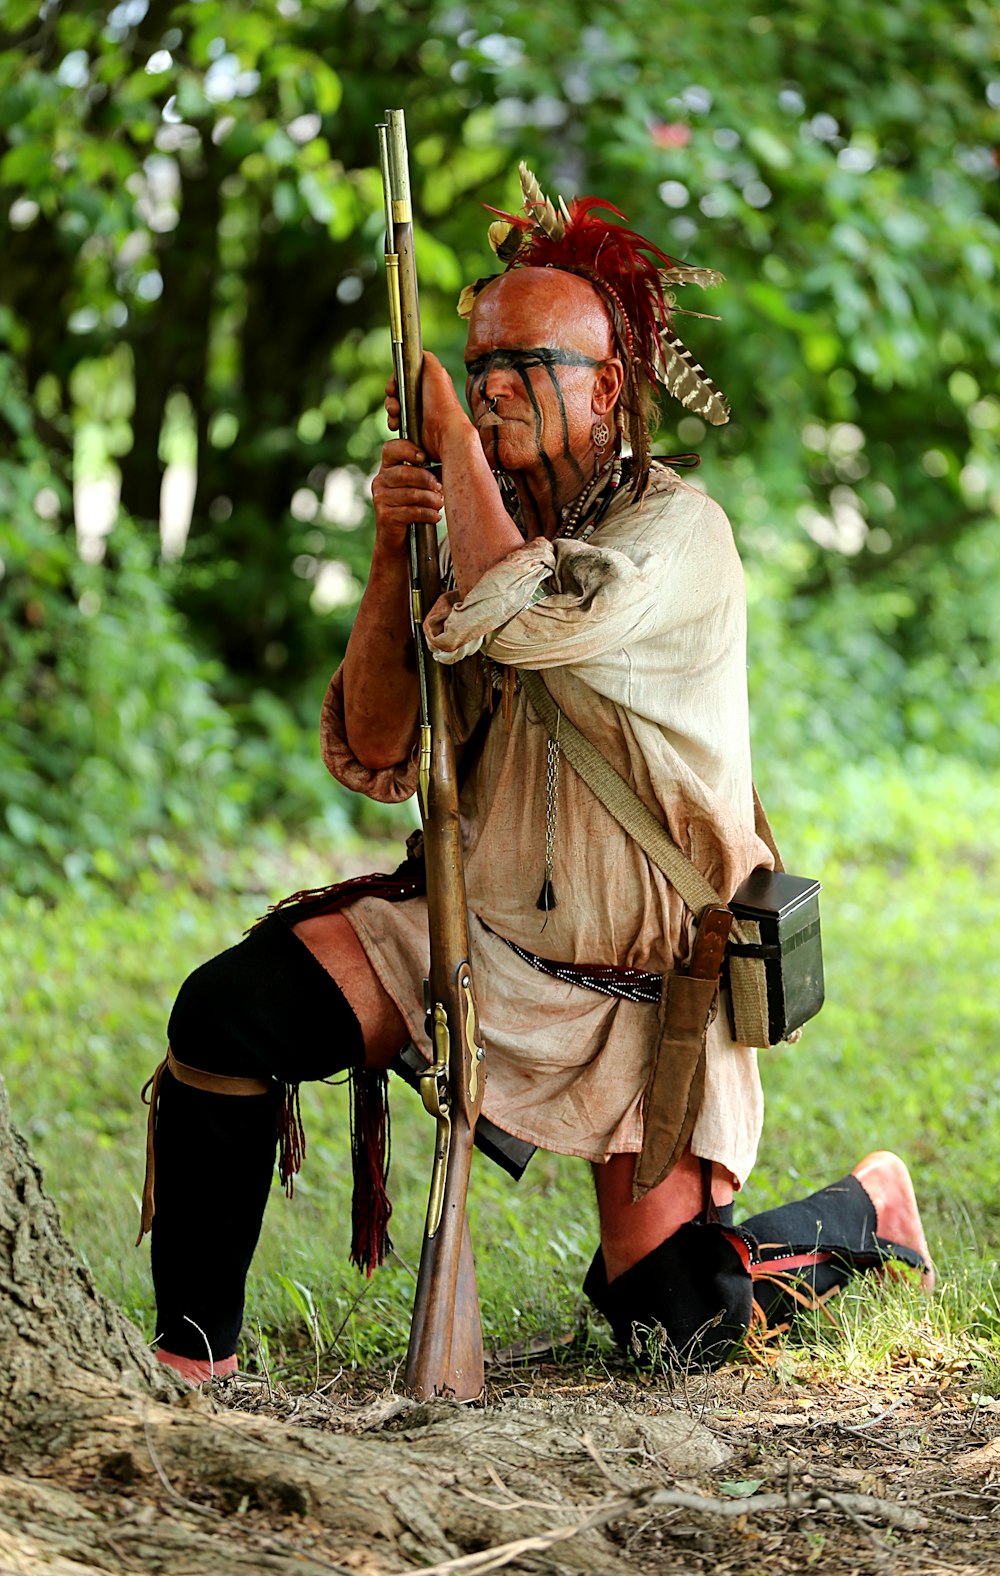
58,1335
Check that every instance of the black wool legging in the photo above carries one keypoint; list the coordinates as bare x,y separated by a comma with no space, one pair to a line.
265,1008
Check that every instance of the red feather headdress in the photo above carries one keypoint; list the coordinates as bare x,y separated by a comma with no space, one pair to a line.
635,279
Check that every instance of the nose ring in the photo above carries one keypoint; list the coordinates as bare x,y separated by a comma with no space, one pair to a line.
492,403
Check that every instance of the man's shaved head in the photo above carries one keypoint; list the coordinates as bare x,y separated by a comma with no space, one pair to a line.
543,306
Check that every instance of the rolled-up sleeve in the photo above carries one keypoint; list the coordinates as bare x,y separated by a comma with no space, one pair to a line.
548,604
387,784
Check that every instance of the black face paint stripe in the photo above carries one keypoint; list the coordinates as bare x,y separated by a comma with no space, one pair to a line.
479,388
530,356
547,466
524,361
567,455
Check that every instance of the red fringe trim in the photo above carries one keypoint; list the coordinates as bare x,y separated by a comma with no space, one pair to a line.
371,1208
291,1139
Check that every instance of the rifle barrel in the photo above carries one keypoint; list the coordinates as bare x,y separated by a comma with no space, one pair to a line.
445,1353
409,297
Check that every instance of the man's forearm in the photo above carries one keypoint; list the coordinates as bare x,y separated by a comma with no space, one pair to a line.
480,531
381,692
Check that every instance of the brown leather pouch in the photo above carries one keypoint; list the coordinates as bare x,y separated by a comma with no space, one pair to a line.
676,1084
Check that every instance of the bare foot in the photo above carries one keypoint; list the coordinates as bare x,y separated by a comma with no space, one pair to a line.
197,1369
887,1182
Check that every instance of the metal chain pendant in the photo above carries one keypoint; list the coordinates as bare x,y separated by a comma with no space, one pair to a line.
547,896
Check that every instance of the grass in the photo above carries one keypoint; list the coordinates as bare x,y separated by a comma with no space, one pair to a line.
902,1057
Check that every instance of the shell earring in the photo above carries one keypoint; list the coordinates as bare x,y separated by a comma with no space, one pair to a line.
601,435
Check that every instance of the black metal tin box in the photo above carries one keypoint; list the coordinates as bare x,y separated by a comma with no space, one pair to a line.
786,908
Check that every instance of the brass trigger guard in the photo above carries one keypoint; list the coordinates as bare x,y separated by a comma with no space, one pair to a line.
434,1091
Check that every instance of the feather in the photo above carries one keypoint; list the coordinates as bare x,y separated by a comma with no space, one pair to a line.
505,239
681,274
635,277
538,205
497,233
690,383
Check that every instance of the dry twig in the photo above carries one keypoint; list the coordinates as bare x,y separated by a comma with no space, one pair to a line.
587,1444
861,1428
878,1548
189,1504
855,1505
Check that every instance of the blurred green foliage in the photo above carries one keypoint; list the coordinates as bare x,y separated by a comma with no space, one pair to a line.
191,228
113,744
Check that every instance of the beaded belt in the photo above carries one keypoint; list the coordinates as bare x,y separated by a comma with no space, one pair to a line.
607,978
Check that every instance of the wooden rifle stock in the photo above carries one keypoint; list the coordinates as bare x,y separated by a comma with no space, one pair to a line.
445,1354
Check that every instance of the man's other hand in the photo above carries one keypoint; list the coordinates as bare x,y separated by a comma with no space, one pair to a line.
442,410
402,491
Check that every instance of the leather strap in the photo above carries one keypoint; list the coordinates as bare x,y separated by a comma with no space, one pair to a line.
746,984
213,1083
622,802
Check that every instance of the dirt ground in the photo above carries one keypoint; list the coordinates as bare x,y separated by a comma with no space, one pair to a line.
754,1470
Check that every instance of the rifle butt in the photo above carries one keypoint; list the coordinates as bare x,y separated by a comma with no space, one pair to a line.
445,1354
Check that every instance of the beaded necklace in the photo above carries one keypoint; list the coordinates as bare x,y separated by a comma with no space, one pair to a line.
580,519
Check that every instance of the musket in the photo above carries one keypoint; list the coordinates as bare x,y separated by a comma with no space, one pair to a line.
445,1354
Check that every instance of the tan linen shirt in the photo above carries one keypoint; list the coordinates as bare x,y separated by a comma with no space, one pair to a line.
640,634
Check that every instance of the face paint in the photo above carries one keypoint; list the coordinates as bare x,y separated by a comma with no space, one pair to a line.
526,360
540,343
557,391
547,466
522,362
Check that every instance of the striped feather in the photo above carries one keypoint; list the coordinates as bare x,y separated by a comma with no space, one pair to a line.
681,274
538,205
688,382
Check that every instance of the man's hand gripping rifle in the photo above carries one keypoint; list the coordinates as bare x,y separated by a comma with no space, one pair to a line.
445,1354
